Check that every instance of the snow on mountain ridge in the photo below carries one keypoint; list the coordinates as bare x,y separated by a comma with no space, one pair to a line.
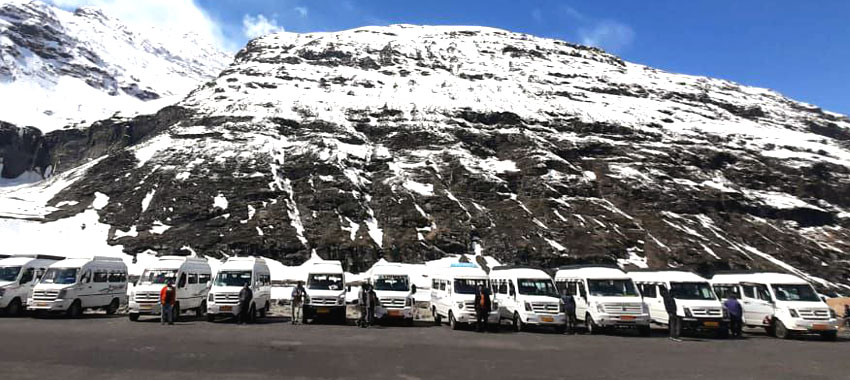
49,56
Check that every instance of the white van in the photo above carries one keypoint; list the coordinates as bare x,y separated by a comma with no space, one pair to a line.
453,295
73,285
528,296
697,307
191,277
392,286
223,298
605,297
781,303
18,276
325,286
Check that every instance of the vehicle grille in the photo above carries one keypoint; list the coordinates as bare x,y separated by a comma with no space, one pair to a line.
814,314
45,295
146,297
545,307
707,312
392,303
469,305
323,301
226,298
623,308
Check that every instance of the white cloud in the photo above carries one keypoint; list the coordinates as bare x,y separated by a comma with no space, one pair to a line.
608,35
257,26
182,16
302,11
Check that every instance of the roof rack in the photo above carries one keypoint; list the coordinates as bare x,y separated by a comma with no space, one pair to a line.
580,266
509,267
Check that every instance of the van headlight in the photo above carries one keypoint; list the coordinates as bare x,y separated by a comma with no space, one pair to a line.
527,306
600,308
793,313
340,300
460,305
561,307
688,313
211,297
832,313
495,305
408,302
62,294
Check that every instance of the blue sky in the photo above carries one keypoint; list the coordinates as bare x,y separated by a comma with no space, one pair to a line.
799,48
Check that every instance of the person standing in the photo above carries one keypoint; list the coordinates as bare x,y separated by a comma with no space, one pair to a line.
736,314
299,294
373,304
245,297
482,308
569,310
167,299
847,314
673,321
411,300
363,301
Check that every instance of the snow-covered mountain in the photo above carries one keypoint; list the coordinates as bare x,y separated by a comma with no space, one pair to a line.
60,68
411,142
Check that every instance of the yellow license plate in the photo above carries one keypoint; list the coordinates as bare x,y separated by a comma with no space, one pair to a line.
394,313
146,307
627,318
820,327
227,308
547,319
41,304
711,324
323,310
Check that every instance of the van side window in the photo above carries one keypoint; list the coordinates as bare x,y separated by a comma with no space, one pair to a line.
204,278
581,291
28,275
442,285
101,275
193,278
748,291
762,293
435,284
560,285
649,290
115,276
182,282
511,288
39,273
503,287
571,288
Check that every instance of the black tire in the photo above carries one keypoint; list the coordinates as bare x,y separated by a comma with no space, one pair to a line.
780,330
113,307
452,322
437,319
175,313
210,317
408,322
829,336
252,314
560,329
644,331
264,311
15,308
770,331
134,317
202,310
517,323
590,325
75,310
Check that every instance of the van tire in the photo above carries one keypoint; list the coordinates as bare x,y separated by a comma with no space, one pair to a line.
590,325
829,336
15,308
264,311
780,330
252,314
453,322
113,306
175,312
210,317
75,310
645,331
437,320
202,310
134,317
770,331
518,326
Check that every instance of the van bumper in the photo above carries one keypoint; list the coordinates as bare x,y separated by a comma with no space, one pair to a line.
313,311
405,313
223,309
614,320
705,323
56,305
814,326
545,319
153,308
472,317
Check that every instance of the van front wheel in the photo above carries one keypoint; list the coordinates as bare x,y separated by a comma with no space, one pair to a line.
780,330
134,317
210,317
201,310
452,322
590,325
113,307
76,310
437,320
518,326
15,309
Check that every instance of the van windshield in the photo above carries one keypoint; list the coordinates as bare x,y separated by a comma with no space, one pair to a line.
158,276
691,291
536,287
233,278
795,292
325,282
612,288
62,276
8,274
468,285
398,283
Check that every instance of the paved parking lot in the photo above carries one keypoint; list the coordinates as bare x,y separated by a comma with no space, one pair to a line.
101,347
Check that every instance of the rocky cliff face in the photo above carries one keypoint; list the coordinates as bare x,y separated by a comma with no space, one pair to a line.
60,68
410,142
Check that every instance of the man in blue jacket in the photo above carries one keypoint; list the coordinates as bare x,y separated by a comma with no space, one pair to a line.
736,314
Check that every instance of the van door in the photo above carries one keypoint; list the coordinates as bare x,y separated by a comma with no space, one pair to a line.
757,304
85,293
580,298
652,298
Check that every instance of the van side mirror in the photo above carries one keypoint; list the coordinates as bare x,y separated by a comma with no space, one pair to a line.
348,289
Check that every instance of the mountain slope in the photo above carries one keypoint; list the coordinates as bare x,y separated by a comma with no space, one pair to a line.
410,142
59,68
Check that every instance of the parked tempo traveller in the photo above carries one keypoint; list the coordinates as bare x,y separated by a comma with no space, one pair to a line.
781,303
191,277
325,291
392,285
605,297
528,296
453,295
697,306
18,276
223,298
73,285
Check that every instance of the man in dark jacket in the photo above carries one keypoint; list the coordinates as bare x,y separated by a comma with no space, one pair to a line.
367,306
299,294
483,306
569,310
245,297
673,320
736,314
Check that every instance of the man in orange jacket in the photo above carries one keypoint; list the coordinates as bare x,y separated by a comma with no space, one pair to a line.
167,297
